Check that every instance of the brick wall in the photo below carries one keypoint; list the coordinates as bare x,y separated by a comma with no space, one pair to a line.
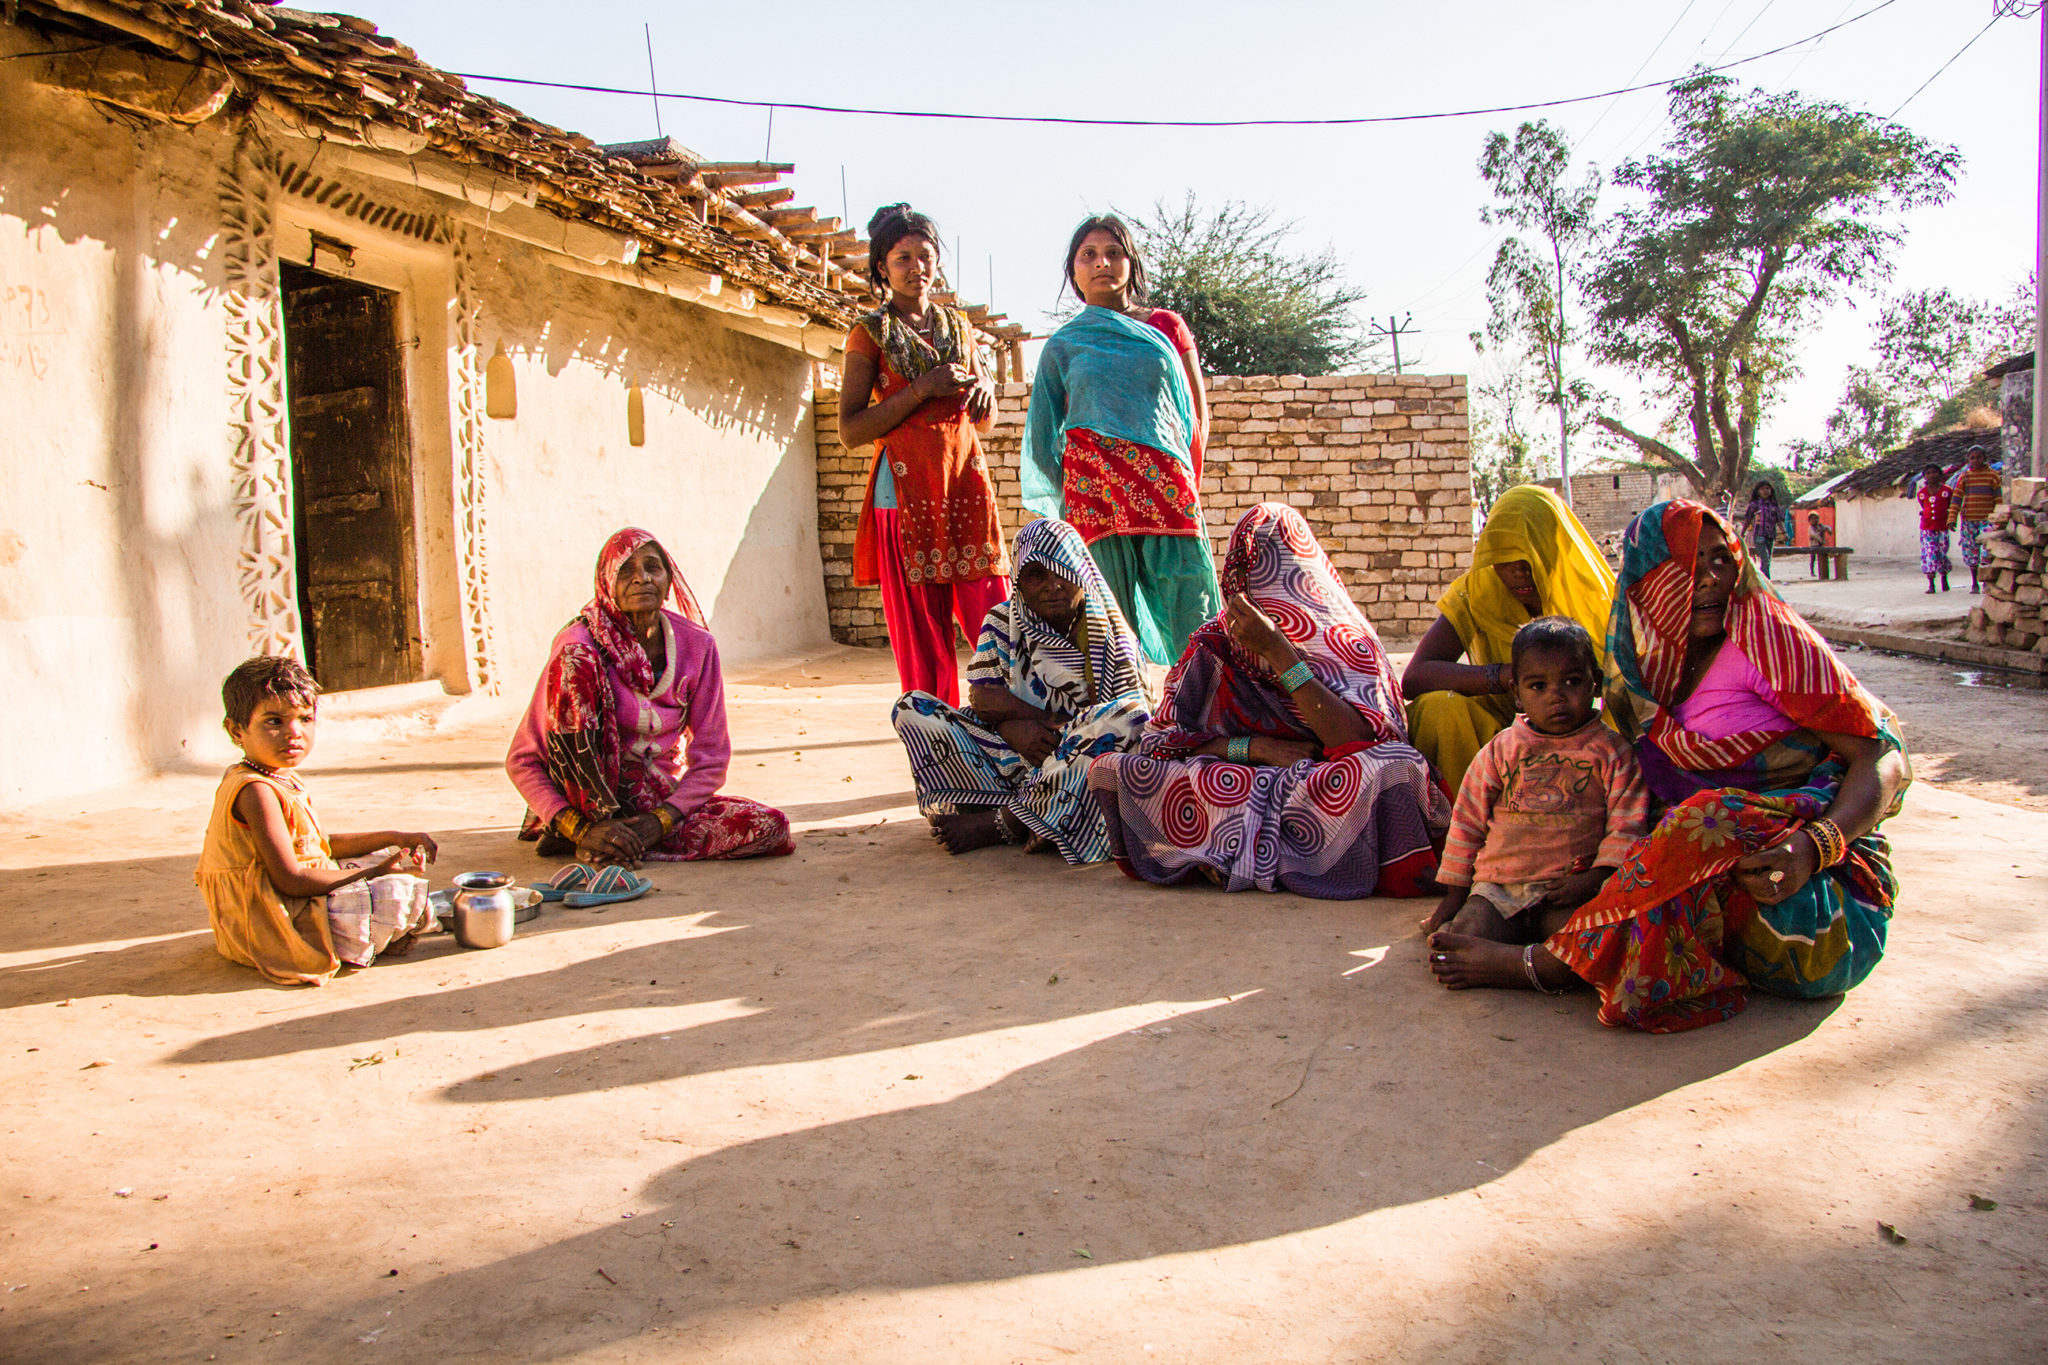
1377,463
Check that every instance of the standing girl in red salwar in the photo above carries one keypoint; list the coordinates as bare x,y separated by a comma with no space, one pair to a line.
928,530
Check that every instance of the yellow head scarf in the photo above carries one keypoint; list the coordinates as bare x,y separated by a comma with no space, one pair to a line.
1572,578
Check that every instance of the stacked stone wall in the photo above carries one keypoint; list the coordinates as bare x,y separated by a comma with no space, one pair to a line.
2015,549
1378,464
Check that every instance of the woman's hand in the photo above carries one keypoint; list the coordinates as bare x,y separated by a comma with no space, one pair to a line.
611,841
1254,632
1778,872
1033,740
942,381
1283,753
981,399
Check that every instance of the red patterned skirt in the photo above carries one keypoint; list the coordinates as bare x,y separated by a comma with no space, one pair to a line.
1115,487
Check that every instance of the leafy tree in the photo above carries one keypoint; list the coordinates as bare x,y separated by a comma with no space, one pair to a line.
1932,347
1255,306
1528,287
1760,210
1500,444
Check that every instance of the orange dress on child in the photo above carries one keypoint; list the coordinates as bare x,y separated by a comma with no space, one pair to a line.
284,937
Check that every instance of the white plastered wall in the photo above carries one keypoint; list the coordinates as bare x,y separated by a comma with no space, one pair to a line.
120,608
1885,526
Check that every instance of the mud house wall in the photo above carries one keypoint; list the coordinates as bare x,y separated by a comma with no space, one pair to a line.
118,603
1378,464
725,480
1880,525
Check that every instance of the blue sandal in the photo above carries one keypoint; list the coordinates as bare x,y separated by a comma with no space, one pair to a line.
574,877
611,886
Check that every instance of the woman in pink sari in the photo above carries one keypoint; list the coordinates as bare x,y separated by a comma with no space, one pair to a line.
621,754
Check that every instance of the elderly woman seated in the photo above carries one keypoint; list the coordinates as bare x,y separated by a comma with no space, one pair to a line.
1056,680
601,756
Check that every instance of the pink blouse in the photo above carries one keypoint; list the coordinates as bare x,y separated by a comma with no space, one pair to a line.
1732,699
687,703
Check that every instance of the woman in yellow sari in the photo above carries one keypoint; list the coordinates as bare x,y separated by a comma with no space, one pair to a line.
1532,559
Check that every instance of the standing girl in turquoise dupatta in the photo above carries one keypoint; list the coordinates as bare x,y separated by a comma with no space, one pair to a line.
1775,767
1113,442
1056,681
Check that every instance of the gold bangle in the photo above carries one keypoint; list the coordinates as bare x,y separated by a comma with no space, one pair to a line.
1828,841
571,824
667,818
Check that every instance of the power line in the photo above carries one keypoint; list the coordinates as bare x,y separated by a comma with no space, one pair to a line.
1174,123
1995,17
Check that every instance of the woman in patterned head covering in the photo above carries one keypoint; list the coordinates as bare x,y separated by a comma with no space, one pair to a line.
1279,757
1057,680
624,747
1774,768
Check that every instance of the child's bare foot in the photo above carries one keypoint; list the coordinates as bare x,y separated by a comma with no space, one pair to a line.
1462,962
967,831
1436,918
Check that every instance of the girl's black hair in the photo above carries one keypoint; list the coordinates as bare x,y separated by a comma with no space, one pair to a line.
266,675
1767,486
891,224
1117,228
1556,635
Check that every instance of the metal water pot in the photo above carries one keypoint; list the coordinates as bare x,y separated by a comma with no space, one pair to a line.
484,906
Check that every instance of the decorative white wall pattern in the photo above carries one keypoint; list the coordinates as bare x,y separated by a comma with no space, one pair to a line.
470,489
261,470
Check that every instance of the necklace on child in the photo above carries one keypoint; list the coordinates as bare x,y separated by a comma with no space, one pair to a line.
277,774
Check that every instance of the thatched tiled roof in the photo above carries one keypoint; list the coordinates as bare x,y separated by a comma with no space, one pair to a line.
1891,474
335,76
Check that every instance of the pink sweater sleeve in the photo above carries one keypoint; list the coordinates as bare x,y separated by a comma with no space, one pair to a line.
1470,816
526,760
1628,805
710,751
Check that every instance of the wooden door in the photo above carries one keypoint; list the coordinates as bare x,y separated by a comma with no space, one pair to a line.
351,481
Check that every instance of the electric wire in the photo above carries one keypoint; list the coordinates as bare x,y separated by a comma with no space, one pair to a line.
1995,17
1075,121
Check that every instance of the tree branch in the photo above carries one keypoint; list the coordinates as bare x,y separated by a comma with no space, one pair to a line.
1650,445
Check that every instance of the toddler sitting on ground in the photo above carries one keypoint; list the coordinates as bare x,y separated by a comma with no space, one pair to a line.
266,868
1546,810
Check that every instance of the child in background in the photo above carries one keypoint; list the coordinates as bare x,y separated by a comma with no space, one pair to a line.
1978,489
1546,810
1936,516
266,868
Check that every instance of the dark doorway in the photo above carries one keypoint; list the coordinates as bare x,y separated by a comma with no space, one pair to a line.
351,480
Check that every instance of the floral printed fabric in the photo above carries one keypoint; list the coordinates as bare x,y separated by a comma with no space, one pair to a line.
1116,487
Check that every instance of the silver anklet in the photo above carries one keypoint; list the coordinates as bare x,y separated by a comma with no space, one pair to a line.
1529,966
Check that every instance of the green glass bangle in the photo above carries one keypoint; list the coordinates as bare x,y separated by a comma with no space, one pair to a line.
1238,749
1297,677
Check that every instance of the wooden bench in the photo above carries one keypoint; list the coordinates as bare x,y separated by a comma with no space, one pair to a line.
1822,558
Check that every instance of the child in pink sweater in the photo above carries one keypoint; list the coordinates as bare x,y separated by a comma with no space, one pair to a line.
1547,808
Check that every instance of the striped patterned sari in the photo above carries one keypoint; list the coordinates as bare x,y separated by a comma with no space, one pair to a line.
1673,942
1094,684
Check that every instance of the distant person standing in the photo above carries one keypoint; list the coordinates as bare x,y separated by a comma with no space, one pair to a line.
1977,490
928,531
1113,442
1760,523
1936,515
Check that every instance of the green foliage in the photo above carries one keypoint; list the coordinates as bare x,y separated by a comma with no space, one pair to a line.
1255,306
1500,443
1761,209
1528,287
1932,347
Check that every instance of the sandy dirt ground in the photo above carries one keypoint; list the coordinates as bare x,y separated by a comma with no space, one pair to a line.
874,1104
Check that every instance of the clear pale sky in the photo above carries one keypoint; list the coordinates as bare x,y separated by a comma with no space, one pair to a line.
1399,203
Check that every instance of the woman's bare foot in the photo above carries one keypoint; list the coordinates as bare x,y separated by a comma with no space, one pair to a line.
1462,962
967,831
1212,875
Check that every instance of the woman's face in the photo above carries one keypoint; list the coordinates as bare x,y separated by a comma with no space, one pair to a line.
642,581
1052,598
1713,581
911,267
1520,580
1102,269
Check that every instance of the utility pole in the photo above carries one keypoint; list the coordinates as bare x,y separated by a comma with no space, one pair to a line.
1393,332
2040,458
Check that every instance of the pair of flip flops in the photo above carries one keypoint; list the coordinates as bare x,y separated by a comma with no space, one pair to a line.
581,887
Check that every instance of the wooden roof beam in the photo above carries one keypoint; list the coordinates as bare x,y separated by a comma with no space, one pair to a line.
762,199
